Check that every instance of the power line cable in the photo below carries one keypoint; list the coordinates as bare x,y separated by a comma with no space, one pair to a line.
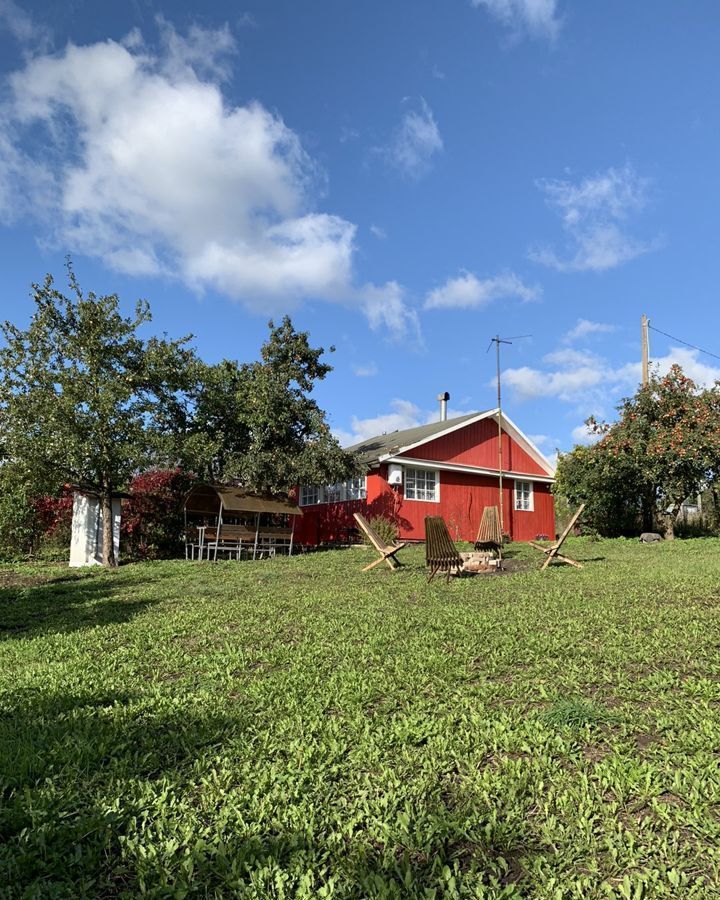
680,341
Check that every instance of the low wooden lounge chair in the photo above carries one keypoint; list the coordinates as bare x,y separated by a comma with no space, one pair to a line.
489,536
441,555
387,551
552,552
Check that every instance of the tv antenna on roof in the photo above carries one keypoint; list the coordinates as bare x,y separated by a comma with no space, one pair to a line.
497,340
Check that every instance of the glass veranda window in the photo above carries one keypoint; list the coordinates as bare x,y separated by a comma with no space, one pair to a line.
310,494
356,488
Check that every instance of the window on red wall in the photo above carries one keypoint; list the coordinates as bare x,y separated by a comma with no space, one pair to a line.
524,496
354,489
422,484
310,494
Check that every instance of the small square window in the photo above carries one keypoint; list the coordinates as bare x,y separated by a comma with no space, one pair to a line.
310,494
422,484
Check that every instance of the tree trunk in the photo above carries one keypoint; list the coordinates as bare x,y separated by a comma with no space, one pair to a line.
109,559
648,510
715,508
669,527
669,519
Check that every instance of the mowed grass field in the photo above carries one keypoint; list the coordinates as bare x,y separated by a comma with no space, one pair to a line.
296,728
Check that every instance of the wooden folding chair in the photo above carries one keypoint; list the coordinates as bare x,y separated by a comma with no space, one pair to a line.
489,536
387,551
552,552
441,554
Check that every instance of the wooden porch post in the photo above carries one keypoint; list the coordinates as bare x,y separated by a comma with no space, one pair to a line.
217,532
257,534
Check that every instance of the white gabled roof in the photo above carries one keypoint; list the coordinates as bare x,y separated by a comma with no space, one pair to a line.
524,441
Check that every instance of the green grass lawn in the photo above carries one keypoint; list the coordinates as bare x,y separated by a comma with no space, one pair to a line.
296,728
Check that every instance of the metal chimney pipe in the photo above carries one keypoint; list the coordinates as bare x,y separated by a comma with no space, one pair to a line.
443,398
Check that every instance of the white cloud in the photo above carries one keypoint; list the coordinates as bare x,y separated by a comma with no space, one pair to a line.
565,384
703,374
367,370
404,414
538,18
585,328
570,358
348,134
202,51
573,376
21,25
246,20
591,383
143,163
581,434
467,291
414,143
378,232
593,214
539,439
386,308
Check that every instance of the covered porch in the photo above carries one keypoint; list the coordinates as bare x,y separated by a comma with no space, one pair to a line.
236,523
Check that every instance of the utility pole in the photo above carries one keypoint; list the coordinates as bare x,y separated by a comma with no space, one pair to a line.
645,350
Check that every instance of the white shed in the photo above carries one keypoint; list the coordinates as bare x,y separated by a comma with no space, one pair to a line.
86,543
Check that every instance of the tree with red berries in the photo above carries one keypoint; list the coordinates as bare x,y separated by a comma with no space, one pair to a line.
664,448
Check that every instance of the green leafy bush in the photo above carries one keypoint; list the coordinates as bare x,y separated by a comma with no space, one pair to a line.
385,529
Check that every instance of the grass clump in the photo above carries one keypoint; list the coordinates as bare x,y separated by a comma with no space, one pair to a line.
577,712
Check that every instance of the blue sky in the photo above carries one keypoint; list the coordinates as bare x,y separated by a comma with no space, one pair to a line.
405,179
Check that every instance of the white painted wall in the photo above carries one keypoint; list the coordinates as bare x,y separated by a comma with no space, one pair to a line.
86,542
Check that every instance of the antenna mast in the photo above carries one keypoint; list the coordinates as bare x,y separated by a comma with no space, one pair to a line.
497,340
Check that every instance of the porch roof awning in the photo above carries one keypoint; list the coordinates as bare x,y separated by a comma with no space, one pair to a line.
206,497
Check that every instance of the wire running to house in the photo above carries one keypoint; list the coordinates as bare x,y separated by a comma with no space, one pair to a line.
685,343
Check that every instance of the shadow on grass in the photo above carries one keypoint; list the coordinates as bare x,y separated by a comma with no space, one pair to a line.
76,773
69,603
102,795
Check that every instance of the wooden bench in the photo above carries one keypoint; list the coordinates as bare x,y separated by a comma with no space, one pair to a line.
441,554
273,538
236,538
226,539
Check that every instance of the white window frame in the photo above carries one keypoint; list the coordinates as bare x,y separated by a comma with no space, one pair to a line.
522,503
314,492
356,488
415,475
334,493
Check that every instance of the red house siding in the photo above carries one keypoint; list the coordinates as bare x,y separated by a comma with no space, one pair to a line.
327,522
462,500
463,496
477,445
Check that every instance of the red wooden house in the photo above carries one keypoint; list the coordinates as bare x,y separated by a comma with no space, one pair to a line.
450,469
